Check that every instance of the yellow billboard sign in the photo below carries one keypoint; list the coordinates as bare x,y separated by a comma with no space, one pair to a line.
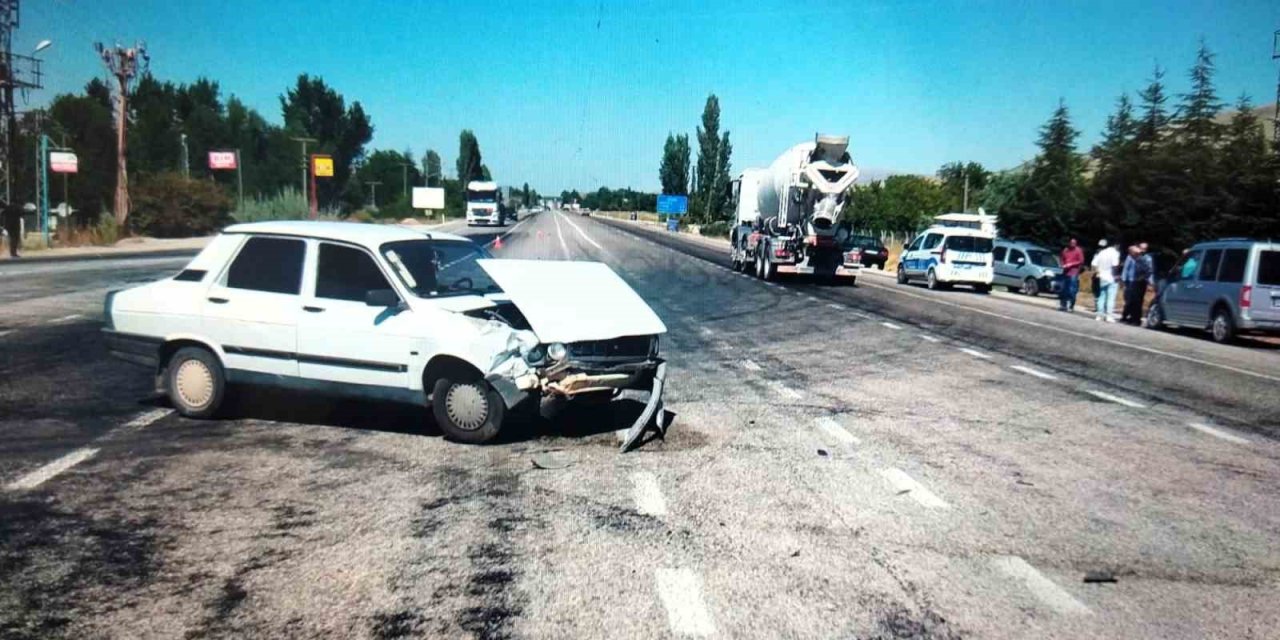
322,166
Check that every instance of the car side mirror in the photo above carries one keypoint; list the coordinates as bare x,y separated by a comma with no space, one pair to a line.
381,298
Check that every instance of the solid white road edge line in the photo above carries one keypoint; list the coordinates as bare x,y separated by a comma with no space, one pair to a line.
975,353
890,325
903,483
835,430
1028,370
39,476
928,338
1041,587
681,594
836,306
1217,433
584,234
648,494
1116,399
750,365
67,318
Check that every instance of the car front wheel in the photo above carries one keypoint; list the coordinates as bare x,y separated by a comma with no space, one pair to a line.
1155,317
1030,287
1223,327
196,383
467,411
902,275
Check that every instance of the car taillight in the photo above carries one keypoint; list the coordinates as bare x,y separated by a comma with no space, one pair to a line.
943,256
781,253
1246,296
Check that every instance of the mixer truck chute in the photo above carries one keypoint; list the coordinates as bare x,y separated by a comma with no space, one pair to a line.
787,215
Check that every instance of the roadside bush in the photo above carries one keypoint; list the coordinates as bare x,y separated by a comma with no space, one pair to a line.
719,229
168,205
289,204
362,215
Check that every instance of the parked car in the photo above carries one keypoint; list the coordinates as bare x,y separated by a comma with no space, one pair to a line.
1228,287
946,255
874,253
1025,267
389,313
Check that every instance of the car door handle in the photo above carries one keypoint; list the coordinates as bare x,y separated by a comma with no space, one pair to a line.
219,300
313,309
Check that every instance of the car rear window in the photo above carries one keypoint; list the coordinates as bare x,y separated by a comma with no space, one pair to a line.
1269,268
970,244
1232,269
267,264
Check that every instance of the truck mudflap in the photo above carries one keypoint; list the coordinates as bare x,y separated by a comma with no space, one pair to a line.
654,413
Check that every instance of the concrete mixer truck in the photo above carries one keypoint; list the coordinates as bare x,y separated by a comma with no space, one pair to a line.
787,215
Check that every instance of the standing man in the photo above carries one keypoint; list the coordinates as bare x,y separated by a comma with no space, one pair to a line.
1105,264
12,218
1137,274
1072,261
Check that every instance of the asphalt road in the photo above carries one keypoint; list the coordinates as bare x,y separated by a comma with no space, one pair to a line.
873,462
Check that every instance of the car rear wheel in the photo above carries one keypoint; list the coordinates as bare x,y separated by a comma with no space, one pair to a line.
196,382
1155,317
1223,328
1030,287
902,275
467,411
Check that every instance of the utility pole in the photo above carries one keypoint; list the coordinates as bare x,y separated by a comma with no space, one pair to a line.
1275,120
965,208
186,162
306,170
16,72
373,186
404,169
124,65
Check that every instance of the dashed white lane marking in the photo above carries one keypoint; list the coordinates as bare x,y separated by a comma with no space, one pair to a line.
1116,399
890,325
145,420
1041,587
835,430
5,333
706,333
812,298
928,338
648,493
69,318
39,476
751,366
975,353
681,594
836,306
564,247
1217,433
1029,371
861,315
785,391
583,234
904,483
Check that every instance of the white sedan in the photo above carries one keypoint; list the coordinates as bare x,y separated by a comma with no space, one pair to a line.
390,313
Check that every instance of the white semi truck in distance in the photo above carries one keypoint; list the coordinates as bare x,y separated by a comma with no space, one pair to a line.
484,204
786,215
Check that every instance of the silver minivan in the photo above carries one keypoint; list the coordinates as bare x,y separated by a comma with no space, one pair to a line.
1025,267
1227,286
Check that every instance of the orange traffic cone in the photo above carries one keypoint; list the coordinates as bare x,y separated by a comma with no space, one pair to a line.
497,243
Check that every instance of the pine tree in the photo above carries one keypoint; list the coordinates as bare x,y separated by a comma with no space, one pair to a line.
713,162
1250,207
1155,116
1050,201
1112,202
1195,194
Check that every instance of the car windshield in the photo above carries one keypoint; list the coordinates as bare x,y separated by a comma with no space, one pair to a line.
972,244
482,196
1042,258
440,268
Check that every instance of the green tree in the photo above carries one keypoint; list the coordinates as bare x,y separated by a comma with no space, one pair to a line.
90,132
525,195
1198,196
954,175
1002,190
1252,203
313,109
388,169
1113,200
470,166
431,168
1050,201
897,204
1155,115
674,170
714,153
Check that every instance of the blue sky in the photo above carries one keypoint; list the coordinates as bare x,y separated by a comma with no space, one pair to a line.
580,94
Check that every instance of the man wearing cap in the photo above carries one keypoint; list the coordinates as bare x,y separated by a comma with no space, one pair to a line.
1105,263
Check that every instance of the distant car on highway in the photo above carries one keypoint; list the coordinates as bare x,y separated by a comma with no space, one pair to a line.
1025,267
874,253
584,211
946,255
392,313
1229,287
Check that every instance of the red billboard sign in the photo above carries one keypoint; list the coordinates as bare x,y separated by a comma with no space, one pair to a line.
63,162
222,160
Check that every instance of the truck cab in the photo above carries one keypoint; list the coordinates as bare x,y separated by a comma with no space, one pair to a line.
484,206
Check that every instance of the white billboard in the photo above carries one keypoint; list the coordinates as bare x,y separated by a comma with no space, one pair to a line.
428,198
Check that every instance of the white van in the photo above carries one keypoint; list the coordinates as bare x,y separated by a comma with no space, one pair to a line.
947,255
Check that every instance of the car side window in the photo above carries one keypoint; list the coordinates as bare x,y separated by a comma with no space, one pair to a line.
1232,269
915,244
998,254
268,264
1209,267
1269,268
932,240
1187,266
1017,257
347,273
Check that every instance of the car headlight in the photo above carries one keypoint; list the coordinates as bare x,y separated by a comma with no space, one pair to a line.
557,351
535,355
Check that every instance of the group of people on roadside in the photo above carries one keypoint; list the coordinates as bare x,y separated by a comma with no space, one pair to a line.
1133,276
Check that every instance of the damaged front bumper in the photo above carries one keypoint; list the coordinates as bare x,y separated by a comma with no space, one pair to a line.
572,379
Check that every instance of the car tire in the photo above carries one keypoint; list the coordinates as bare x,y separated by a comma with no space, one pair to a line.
1155,317
1222,327
982,288
1030,287
902,275
195,382
880,266
468,411
931,281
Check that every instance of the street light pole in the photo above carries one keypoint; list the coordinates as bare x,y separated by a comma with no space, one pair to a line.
306,169
373,187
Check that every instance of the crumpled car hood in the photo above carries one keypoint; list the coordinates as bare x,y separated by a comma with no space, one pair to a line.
571,301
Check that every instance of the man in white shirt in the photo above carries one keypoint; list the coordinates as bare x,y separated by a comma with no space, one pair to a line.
1105,263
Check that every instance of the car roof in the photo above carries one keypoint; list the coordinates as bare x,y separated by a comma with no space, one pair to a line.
368,235
959,231
1018,244
1232,242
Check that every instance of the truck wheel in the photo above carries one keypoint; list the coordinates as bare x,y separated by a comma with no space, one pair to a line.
902,275
467,411
196,383
1030,287
1222,327
759,263
770,270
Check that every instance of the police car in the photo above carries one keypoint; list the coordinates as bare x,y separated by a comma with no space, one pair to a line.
955,250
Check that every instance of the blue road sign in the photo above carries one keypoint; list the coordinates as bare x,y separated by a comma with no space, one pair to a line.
673,205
